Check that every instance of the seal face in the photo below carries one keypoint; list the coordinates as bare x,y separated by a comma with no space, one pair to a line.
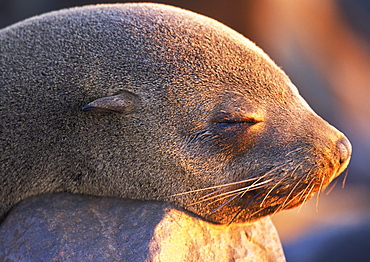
175,107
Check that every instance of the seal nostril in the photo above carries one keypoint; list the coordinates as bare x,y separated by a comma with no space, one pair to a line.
345,149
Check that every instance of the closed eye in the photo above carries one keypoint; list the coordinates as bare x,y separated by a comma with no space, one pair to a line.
226,124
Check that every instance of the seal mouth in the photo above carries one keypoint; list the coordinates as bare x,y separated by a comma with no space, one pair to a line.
341,169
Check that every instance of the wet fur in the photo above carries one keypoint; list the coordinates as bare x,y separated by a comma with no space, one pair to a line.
207,121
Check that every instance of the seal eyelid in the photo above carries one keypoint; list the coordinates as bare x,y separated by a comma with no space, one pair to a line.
227,123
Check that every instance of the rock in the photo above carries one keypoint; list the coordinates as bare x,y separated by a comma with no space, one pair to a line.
65,227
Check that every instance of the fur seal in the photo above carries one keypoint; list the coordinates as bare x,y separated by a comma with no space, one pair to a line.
175,107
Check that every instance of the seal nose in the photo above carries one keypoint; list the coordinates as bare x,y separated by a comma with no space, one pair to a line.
345,149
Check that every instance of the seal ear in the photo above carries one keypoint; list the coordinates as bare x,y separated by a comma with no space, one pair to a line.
125,102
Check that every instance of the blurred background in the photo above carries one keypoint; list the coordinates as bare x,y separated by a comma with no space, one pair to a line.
324,46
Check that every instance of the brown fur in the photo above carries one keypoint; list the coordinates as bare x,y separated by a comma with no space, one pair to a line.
172,102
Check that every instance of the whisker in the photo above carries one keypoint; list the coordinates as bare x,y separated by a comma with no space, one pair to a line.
261,209
295,169
254,177
295,150
247,179
224,204
345,178
269,173
318,194
242,208
249,188
226,186
217,198
258,186
306,198
221,198
304,191
212,187
332,187
293,189
258,211
285,204
300,194
273,170
196,190
268,193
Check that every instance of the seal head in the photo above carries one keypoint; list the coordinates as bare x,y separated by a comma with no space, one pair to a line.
175,107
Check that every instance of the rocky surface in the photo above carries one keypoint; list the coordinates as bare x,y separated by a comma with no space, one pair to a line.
64,227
